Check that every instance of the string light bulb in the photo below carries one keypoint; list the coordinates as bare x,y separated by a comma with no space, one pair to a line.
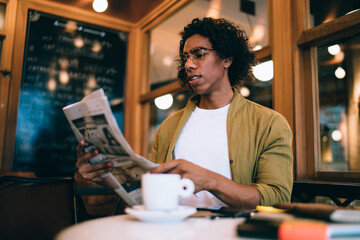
100,5
340,73
334,49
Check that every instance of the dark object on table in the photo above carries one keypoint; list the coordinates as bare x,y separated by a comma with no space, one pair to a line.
227,212
259,228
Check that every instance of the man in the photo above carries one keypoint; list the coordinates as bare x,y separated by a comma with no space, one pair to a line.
236,152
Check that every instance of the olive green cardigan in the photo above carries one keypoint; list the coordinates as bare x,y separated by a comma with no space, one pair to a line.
259,141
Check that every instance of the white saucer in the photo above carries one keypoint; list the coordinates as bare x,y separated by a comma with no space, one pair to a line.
141,213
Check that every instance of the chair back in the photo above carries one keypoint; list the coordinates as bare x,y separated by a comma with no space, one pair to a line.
35,208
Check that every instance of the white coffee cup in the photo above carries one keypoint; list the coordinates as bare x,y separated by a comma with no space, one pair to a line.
162,191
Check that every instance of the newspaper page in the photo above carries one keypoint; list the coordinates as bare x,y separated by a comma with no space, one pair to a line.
91,119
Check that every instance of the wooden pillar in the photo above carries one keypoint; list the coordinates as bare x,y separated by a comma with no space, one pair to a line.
282,45
288,20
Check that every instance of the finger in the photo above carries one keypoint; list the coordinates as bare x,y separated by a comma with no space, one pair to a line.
162,168
84,159
165,167
80,148
89,168
98,179
94,176
90,172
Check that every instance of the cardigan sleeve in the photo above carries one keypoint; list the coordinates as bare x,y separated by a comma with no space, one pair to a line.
274,175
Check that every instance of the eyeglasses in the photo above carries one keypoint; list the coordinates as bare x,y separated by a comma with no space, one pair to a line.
195,54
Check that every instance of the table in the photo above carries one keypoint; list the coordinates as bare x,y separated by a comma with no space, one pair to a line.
199,228
127,227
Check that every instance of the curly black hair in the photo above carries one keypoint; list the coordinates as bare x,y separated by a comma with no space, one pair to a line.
228,40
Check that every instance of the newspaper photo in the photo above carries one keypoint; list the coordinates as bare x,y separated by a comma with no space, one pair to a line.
91,119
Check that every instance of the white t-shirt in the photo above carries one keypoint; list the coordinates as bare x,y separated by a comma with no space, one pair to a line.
203,141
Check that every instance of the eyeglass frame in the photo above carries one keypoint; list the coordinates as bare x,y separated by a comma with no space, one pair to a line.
183,58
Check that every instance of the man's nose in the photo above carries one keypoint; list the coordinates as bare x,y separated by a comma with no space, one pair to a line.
190,64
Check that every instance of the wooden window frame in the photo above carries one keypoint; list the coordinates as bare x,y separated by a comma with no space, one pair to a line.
8,35
307,98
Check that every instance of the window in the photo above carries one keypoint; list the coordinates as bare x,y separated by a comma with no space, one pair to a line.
330,56
339,95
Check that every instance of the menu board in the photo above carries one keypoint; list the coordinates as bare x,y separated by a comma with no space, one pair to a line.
64,60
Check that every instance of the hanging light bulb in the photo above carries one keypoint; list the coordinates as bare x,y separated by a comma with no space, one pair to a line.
164,102
100,5
264,71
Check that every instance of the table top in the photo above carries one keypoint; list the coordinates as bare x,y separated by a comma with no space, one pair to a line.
128,227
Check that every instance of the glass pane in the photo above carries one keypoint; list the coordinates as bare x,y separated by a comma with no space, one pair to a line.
164,39
339,100
2,16
322,11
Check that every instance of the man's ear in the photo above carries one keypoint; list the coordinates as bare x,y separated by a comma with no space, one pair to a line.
227,62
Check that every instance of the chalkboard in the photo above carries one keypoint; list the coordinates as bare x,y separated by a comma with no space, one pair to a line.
64,60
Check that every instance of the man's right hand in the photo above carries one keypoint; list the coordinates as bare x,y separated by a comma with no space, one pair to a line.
88,171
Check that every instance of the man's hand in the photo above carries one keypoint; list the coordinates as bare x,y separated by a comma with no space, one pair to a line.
201,177
88,171
232,193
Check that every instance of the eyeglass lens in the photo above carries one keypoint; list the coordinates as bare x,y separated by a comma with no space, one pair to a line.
195,55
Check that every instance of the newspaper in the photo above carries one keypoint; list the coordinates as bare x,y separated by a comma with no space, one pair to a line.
91,119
